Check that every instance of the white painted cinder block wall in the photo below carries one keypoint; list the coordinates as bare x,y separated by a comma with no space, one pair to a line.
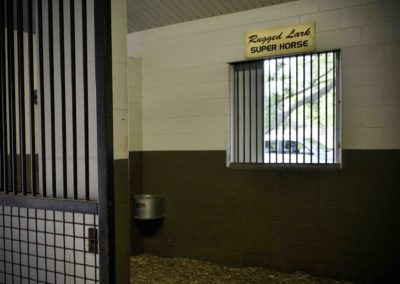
135,103
185,72
119,70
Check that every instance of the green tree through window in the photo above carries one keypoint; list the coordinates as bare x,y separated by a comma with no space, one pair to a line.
285,110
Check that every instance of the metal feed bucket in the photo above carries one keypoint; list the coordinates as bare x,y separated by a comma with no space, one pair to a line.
149,207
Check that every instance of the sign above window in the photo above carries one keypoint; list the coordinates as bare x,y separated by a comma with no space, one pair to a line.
279,41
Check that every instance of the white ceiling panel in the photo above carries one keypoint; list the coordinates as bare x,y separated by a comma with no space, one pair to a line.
147,14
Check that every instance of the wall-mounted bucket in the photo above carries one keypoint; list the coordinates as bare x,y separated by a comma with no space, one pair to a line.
149,207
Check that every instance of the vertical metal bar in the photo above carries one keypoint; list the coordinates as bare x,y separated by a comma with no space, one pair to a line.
260,67
84,247
276,110
244,112
45,243
11,94
311,109
334,107
73,246
4,243
326,107
2,186
95,256
319,102
263,110
64,249
21,97
260,109
73,87
283,110
19,244
31,100
27,233
104,102
21,90
54,246
237,114
36,243
290,110
3,107
42,103
304,109
250,113
52,114
297,109
85,96
63,112
256,111
269,110
12,243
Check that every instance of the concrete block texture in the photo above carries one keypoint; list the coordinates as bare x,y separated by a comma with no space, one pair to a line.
328,223
189,61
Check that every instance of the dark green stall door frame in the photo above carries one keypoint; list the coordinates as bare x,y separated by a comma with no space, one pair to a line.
17,191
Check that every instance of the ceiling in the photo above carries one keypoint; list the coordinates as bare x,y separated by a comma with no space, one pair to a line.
147,14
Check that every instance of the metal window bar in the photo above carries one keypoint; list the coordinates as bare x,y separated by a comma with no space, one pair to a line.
290,108
248,124
311,109
237,108
254,125
319,103
326,108
283,110
269,112
246,111
250,112
256,103
298,95
276,112
242,116
336,102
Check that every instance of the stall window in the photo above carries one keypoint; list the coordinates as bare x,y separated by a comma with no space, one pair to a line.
285,110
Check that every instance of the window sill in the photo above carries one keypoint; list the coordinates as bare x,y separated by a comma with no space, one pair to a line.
248,166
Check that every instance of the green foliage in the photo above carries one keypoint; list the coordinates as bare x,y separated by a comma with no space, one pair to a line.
292,92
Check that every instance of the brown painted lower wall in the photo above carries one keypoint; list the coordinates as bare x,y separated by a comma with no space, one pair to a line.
342,223
136,187
122,220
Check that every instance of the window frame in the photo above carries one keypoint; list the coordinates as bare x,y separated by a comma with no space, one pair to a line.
231,138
